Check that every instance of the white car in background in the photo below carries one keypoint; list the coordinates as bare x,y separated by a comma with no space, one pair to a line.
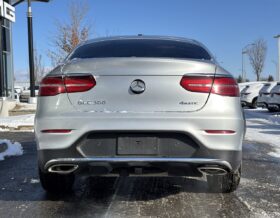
242,86
274,100
25,95
18,89
264,95
249,95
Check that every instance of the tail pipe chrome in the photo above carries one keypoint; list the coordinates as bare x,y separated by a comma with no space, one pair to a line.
63,168
213,170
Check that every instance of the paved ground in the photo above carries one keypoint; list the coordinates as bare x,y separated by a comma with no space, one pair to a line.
21,194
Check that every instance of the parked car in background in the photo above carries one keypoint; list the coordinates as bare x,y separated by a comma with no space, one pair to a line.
249,95
18,89
274,100
139,105
24,95
242,86
264,95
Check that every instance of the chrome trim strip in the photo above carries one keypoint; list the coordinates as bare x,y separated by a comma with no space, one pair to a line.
138,160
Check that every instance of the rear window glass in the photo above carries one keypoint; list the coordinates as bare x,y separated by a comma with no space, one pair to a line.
141,48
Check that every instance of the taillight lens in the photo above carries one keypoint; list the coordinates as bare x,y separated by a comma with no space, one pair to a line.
225,86
197,83
51,86
79,83
54,85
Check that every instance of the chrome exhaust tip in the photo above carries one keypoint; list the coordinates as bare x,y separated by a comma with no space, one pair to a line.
212,170
63,168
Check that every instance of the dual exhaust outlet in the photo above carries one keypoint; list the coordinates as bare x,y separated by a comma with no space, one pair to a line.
70,168
212,170
63,168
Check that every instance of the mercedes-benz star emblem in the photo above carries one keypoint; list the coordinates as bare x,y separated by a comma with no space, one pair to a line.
138,86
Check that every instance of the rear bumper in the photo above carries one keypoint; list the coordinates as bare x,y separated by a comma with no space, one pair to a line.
182,166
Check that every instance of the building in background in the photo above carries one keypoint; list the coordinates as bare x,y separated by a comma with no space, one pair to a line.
7,17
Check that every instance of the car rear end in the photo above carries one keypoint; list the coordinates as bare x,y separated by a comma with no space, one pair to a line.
274,99
139,106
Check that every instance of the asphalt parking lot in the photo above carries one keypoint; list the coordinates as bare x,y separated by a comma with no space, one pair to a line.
22,196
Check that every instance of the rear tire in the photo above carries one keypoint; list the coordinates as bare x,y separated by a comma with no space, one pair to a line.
56,183
254,103
224,183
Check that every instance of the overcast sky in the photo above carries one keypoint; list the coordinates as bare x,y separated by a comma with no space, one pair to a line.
225,27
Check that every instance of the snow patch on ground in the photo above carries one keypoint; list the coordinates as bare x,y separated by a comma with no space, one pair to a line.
16,121
14,149
25,106
275,119
34,181
264,127
276,153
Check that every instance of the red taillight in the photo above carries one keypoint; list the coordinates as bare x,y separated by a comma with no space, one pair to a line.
79,83
225,86
51,86
54,85
197,83
61,131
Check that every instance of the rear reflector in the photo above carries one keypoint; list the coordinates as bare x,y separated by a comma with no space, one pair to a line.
225,86
56,131
220,131
54,85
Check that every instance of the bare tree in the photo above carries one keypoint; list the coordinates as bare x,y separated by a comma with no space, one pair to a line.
257,55
39,68
70,34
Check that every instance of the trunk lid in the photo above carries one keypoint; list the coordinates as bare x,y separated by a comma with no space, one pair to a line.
161,77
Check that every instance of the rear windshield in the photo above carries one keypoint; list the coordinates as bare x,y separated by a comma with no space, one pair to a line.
141,48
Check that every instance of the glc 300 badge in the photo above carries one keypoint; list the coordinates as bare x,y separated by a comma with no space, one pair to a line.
82,102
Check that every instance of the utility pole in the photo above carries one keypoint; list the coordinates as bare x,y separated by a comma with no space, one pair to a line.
31,53
32,98
278,67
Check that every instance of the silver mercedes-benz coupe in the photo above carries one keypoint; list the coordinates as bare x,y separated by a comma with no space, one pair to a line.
139,105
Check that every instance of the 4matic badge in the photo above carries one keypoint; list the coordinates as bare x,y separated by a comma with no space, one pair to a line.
188,103
82,102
